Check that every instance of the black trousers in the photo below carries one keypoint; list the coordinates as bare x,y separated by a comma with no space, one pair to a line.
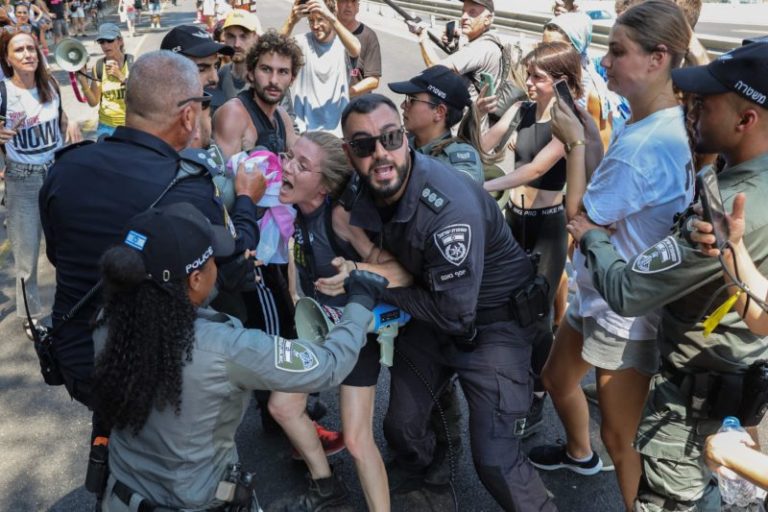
497,383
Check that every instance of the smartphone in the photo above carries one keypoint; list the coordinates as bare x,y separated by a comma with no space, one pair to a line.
712,205
302,2
564,95
450,31
487,79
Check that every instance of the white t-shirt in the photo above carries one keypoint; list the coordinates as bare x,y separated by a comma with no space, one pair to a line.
645,178
321,89
39,135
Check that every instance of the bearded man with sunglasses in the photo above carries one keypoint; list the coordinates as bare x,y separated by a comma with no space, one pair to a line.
94,188
475,301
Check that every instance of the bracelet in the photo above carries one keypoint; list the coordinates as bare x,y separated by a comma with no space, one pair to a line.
570,145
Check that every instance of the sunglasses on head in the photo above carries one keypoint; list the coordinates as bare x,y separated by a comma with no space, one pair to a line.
14,29
204,100
366,146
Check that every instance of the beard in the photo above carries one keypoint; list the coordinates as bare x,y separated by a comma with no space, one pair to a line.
262,94
381,191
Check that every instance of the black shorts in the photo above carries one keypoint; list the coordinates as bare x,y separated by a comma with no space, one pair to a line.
366,371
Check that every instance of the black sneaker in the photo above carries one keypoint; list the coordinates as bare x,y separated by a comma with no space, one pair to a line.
534,421
551,457
323,494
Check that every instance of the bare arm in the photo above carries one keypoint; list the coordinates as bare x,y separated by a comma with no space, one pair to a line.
290,132
428,52
567,128
540,165
229,125
365,85
374,259
293,18
493,136
90,88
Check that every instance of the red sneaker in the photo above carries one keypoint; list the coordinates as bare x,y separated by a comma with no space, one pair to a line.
333,442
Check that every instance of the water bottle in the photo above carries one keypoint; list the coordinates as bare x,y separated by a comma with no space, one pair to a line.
734,489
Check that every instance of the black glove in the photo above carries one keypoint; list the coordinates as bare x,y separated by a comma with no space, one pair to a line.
365,288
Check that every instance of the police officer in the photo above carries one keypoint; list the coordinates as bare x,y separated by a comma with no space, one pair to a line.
434,102
166,453
700,375
450,235
92,190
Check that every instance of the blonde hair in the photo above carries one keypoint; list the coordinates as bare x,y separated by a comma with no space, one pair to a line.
335,167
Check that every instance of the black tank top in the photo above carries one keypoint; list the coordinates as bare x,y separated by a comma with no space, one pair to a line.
271,135
315,245
532,137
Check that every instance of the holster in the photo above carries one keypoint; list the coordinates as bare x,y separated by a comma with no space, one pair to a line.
530,303
716,395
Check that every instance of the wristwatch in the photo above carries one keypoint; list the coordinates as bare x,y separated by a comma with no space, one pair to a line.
570,145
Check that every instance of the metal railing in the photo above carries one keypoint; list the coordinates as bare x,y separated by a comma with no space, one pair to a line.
534,23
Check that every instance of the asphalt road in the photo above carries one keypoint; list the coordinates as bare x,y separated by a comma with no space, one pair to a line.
43,434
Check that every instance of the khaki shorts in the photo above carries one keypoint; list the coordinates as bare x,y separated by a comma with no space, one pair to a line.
603,349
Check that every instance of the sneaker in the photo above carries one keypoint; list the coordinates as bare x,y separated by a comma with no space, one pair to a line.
590,391
534,421
323,494
551,457
333,442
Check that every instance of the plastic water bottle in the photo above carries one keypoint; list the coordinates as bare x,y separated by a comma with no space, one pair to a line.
734,489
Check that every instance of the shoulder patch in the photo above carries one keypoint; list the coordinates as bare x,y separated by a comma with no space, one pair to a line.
454,242
294,356
660,257
462,157
433,198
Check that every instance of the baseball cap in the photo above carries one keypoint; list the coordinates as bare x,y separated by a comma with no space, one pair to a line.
743,70
440,82
245,19
488,4
193,41
108,32
176,240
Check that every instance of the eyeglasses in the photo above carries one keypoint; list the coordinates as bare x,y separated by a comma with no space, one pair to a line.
204,100
289,162
366,146
410,99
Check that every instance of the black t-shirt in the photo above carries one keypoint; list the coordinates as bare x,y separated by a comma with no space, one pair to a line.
56,7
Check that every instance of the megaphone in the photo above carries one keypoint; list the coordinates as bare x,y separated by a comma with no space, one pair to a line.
71,55
500,196
314,322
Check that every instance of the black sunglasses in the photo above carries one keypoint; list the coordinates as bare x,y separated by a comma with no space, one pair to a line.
204,100
366,146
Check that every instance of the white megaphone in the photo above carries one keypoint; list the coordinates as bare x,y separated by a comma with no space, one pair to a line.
71,55
313,322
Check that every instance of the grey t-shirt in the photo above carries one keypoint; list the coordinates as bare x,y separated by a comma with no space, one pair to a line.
369,62
478,56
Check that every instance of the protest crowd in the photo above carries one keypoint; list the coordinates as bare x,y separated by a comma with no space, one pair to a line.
254,221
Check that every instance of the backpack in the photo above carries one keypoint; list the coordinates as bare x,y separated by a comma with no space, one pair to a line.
510,88
99,71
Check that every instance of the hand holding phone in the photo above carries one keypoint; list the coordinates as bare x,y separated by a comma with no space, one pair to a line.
487,79
712,207
563,93
450,32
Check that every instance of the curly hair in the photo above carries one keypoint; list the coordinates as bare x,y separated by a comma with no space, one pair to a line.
150,333
273,42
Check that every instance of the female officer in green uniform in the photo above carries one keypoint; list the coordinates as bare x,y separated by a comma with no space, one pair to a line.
173,378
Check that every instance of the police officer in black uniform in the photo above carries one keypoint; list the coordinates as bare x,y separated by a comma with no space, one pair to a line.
92,191
475,303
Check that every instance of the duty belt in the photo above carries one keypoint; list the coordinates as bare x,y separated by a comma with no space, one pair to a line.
501,313
125,493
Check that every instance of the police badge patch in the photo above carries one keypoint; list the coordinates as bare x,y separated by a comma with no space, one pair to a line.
294,356
453,242
658,258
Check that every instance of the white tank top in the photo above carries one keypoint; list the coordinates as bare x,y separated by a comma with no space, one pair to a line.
39,135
